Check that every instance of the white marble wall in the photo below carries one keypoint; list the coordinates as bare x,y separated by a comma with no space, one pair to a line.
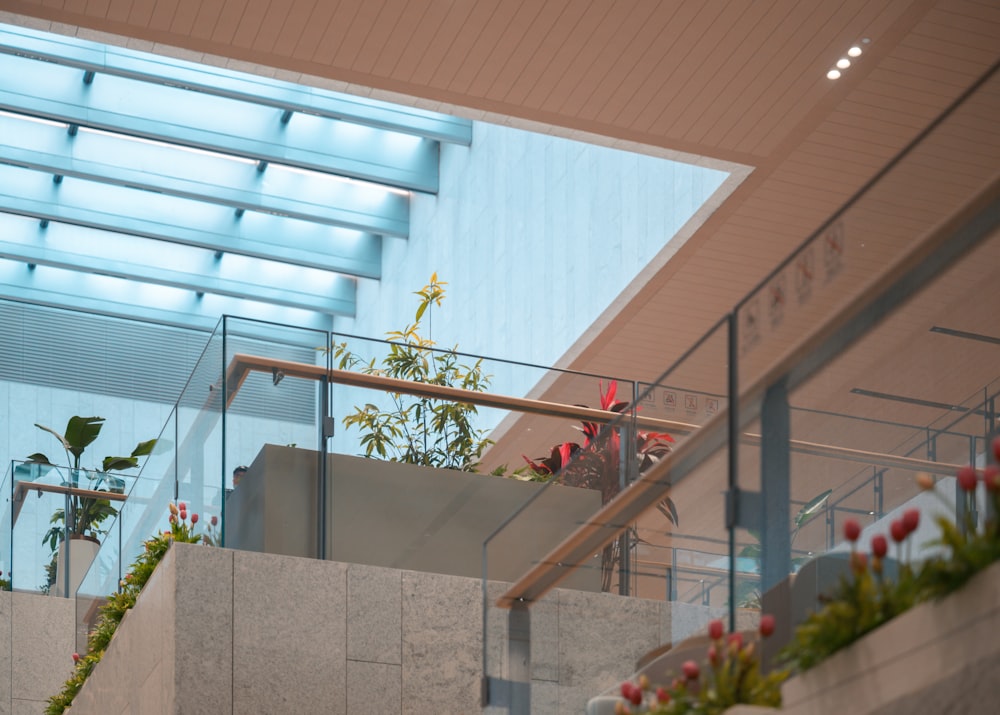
536,236
36,648
227,631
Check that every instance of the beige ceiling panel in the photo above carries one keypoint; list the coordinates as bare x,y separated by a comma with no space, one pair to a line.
120,10
187,14
623,54
275,17
544,53
758,85
460,44
749,43
617,30
295,26
485,52
250,23
562,75
335,31
305,45
365,18
637,67
409,38
687,54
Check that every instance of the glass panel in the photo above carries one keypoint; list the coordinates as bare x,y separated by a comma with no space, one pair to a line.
199,440
271,462
40,496
6,517
143,514
892,403
673,555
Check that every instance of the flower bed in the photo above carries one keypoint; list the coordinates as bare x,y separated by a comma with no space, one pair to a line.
936,648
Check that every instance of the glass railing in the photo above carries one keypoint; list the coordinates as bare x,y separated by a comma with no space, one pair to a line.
45,507
820,397
296,411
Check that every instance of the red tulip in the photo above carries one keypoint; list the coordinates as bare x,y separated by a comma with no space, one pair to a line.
991,478
766,625
735,641
194,519
173,520
967,478
215,520
713,655
182,506
852,530
662,696
715,629
690,669
996,448
898,531
880,546
76,657
911,520
631,692
859,562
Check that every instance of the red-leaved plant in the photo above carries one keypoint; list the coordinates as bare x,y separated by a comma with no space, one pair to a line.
596,464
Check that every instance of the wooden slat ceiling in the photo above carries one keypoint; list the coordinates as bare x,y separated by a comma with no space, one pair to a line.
733,81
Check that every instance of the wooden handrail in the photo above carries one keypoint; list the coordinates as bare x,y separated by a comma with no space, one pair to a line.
241,365
21,489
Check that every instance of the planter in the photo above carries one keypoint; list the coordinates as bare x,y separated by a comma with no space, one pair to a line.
81,555
605,705
937,657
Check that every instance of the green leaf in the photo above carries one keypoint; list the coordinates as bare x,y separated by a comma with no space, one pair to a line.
81,432
144,448
808,511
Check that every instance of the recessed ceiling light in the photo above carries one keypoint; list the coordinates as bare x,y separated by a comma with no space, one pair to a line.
843,63
854,51
833,74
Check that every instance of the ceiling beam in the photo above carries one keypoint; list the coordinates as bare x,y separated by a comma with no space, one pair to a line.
105,295
179,116
193,269
100,59
230,181
142,213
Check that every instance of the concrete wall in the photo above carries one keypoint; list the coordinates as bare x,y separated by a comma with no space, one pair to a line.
224,631
36,648
403,516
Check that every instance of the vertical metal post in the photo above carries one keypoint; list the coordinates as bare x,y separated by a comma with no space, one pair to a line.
878,482
519,658
775,474
732,377
325,432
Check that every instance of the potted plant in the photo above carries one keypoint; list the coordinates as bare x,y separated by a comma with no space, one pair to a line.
419,430
86,511
596,464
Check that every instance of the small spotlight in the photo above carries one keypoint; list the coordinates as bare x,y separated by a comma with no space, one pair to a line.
871,513
833,74
854,51
843,63
277,376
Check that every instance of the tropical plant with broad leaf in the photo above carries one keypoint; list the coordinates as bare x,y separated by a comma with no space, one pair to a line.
87,511
597,464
